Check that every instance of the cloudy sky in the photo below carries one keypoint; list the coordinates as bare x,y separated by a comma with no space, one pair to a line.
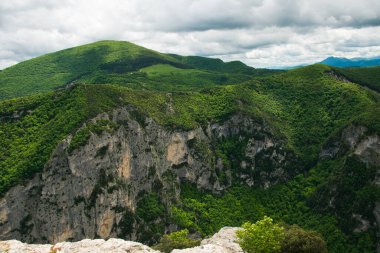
261,33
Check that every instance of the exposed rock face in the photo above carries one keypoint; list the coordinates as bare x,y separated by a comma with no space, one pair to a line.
94,191
337,76
222,242
358,142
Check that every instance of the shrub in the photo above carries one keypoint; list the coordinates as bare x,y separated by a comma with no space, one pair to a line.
150,208
176,240
298,240
262,237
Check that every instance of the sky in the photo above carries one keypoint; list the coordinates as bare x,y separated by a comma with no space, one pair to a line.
260,33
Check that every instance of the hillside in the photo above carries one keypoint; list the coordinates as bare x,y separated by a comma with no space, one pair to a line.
122,63
133,161
369,77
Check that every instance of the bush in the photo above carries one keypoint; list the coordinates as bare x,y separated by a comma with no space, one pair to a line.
262,237
176,240
298,240
150,208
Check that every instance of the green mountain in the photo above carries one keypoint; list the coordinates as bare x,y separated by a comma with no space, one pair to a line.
181,147
122,63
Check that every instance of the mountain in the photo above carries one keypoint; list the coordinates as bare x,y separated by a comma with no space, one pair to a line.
354,62
92,160
122,63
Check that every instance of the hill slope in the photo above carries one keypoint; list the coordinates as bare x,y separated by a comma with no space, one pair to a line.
305,105
122,63
369,77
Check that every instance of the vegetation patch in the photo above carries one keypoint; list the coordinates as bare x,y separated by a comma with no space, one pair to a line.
290,203
176,240
265,236
83,135
102,151
262,237
125,226
150,208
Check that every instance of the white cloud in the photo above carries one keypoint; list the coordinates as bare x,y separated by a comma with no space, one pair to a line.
259,32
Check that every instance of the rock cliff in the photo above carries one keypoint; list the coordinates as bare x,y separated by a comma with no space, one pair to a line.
359,150
100,189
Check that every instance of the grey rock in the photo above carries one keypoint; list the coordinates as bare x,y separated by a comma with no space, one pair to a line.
84,246
222,242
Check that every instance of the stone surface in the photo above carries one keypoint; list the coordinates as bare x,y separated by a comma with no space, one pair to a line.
14,246
100,246
84,246
222,242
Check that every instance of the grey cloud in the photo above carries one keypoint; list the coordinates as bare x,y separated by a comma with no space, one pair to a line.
259,32
204,15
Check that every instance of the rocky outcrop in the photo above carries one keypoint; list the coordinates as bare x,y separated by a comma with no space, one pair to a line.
94,246
222,242
337,76
94,190
357,141
14,246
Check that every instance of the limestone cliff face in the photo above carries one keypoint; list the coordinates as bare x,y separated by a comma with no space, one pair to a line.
93,191
357,143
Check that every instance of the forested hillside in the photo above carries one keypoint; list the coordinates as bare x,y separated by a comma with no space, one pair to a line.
122,63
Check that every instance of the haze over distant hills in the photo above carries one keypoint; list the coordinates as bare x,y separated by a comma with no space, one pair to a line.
341,62
353,62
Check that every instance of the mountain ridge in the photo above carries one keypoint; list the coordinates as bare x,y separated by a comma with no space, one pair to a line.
118,62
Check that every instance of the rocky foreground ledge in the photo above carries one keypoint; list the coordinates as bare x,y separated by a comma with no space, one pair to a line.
222,242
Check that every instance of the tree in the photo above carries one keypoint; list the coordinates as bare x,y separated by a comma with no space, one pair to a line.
298,240
262,237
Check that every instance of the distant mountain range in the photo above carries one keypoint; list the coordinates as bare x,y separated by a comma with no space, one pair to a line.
340,62
354,62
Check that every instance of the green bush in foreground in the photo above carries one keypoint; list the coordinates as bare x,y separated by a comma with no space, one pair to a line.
262,237
265,236
176,240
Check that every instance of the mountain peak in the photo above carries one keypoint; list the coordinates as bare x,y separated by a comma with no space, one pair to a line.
122,63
